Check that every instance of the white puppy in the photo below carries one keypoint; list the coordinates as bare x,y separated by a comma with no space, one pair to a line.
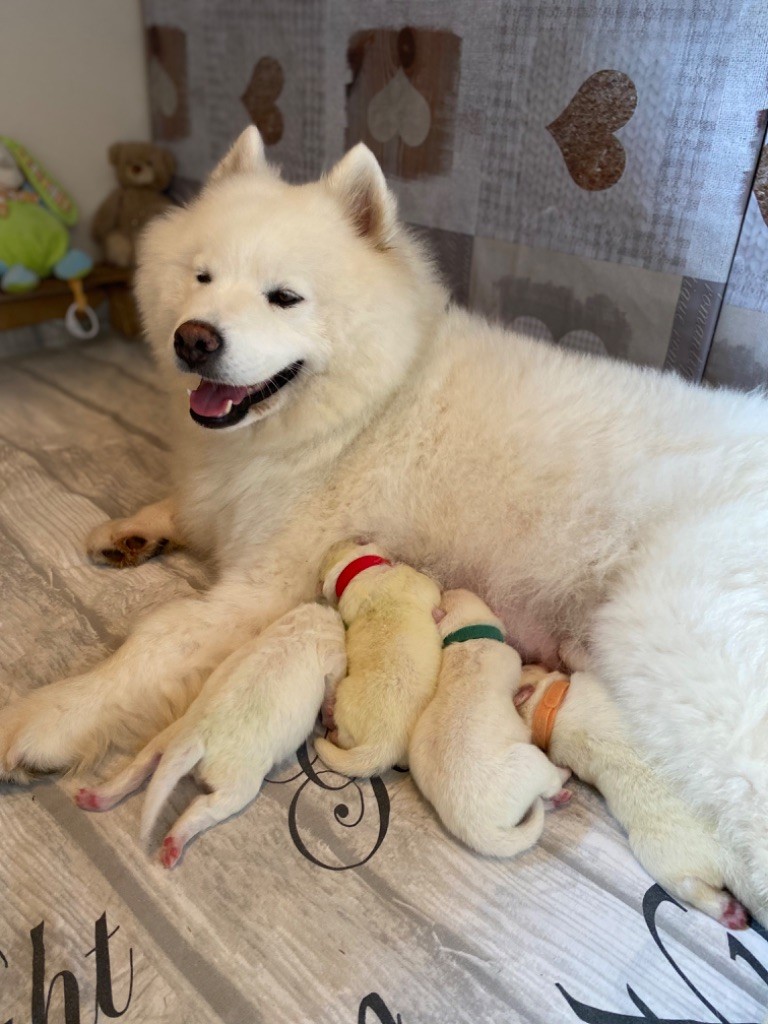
253,712
393,649
580,728
470,753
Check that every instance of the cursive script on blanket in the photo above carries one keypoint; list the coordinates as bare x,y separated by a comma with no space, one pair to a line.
349,789
652,900
41,994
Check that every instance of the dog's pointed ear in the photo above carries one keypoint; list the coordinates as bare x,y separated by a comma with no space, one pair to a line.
246,156
358,183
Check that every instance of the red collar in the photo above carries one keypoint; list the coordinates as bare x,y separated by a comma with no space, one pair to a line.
356,566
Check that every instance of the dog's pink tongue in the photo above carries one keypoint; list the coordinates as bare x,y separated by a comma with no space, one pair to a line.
210,399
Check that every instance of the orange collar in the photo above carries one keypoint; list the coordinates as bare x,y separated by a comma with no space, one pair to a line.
546,712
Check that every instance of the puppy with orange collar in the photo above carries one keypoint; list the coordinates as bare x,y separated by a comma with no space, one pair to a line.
577,724
470,753
393,653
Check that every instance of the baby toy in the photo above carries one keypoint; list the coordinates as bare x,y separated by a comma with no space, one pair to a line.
35,213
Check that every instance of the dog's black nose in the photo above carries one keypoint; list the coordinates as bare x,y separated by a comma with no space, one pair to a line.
195,342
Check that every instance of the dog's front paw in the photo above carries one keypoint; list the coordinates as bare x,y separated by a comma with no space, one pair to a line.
45,731
117,544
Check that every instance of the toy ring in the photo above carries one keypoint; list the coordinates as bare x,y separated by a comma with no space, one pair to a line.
81,323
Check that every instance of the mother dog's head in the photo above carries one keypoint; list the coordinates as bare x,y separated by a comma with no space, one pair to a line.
298,307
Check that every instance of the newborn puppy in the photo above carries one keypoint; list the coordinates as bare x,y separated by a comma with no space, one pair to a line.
585,733
393,652
253,712
470,753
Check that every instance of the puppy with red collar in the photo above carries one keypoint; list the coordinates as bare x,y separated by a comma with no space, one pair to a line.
258,706
393,654
470,753
577,724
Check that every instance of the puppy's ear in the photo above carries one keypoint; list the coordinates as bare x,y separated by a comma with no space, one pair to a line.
358,183
246,156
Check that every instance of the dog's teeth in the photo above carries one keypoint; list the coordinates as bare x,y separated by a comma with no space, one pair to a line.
189,391
229,406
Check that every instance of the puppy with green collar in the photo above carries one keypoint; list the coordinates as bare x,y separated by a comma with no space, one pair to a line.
393,654
470,753
578,725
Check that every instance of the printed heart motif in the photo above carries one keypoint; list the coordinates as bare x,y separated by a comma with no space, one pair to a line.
260,99
169,106
584,131
577,341
399,109
165,95
761,184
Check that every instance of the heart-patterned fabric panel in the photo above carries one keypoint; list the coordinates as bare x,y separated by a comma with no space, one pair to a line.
584,131
625,134
401,98
260,99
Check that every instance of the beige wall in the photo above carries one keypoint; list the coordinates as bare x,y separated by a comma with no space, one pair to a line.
72,80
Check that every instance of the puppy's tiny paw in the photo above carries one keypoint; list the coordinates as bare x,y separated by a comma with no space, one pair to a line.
734,916
88,800
170,852
559,800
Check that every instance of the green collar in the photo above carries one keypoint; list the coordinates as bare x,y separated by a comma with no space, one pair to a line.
479,632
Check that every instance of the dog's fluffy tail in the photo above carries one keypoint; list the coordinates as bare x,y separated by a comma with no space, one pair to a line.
179,758
359,762
495,841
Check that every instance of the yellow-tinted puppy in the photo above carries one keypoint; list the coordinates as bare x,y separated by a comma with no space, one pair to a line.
393,657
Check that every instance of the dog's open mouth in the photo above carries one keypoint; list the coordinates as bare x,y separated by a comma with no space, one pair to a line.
222,405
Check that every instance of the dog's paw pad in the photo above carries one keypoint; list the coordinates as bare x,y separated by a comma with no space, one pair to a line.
135,543
170,852
734,916
88,800
107,545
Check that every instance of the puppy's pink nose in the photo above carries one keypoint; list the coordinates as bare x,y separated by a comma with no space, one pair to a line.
196,342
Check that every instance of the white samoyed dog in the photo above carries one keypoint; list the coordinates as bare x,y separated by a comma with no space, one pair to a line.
336,393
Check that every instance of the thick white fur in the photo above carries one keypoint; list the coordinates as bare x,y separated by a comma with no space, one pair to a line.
678,848
254,710
586,501
470,753
393,652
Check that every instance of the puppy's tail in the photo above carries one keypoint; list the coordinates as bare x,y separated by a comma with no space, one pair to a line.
179,758
359,762
494,841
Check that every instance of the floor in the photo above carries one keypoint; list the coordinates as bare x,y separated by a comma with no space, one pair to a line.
325,902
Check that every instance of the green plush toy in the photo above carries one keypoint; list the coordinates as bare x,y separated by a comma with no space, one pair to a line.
35,213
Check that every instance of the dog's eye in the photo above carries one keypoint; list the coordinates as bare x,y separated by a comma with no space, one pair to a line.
203,277
284,298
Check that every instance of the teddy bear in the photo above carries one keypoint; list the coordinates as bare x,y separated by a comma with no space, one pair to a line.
143,171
